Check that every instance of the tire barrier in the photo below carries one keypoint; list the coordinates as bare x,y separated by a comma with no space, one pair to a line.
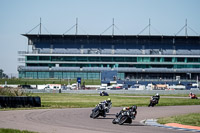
19,101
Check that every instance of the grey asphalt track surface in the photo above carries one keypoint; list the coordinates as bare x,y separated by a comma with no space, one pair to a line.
77,120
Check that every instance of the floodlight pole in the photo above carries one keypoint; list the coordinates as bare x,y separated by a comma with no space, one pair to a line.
149,26
113,27
186,27
40,26
76,26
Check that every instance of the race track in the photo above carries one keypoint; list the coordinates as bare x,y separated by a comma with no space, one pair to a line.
76,120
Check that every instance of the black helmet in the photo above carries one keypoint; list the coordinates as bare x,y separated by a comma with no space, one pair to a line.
134,107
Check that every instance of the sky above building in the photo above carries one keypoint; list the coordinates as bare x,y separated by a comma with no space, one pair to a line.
94,17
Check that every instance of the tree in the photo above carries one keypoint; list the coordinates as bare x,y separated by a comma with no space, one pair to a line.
2,75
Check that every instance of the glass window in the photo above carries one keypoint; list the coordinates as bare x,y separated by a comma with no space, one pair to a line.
43,75
22,74
153,59
69,58
130,59
58,75
118,59
93,75
81,58
68,75
44,58
139,59
146,59
106,59
167,59
31,58
120,76
61,58
94,59
32,75
180,59
193,59
82,75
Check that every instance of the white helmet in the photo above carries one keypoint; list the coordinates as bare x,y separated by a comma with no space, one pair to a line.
157,94
124,109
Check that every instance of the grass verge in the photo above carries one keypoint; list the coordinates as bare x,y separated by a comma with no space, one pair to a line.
188,119
68,100
6,130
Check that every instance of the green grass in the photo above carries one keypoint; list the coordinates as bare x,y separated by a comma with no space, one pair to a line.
68,100
5,130
65,100
189,119
81,100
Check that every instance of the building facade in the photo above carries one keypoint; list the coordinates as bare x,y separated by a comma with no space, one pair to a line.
131,57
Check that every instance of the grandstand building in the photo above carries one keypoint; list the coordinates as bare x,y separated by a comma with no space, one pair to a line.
127,56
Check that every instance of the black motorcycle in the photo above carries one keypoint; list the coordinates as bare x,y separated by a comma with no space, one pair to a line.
103,93
154,100
99,110
125,117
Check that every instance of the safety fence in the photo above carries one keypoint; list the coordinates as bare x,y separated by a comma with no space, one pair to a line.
19,101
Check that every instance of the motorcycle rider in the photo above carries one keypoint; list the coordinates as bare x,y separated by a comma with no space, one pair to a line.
156,97
132,108
192,95
103,93
126,115
107,104
108,101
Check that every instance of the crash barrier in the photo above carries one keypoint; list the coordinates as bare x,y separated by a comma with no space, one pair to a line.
19,101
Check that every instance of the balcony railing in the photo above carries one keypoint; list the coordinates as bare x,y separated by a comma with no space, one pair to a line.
99,69
21,59
112,52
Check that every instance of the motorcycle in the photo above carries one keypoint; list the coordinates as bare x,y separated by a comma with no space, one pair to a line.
193,96
103,93
125,117
154,100
99,110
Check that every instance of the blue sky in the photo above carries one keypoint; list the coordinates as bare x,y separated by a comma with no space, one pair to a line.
131,16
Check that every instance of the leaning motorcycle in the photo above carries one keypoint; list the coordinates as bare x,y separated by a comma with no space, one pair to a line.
153,102
103,93
125,117
193,96
99,110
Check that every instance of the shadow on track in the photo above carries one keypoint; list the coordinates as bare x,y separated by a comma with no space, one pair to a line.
103,118
110,114
133,124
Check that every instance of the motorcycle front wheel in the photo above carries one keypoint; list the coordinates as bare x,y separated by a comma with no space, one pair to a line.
122,120
114,121
95,114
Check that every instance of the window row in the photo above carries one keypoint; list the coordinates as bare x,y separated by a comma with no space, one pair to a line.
59,75
113,59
